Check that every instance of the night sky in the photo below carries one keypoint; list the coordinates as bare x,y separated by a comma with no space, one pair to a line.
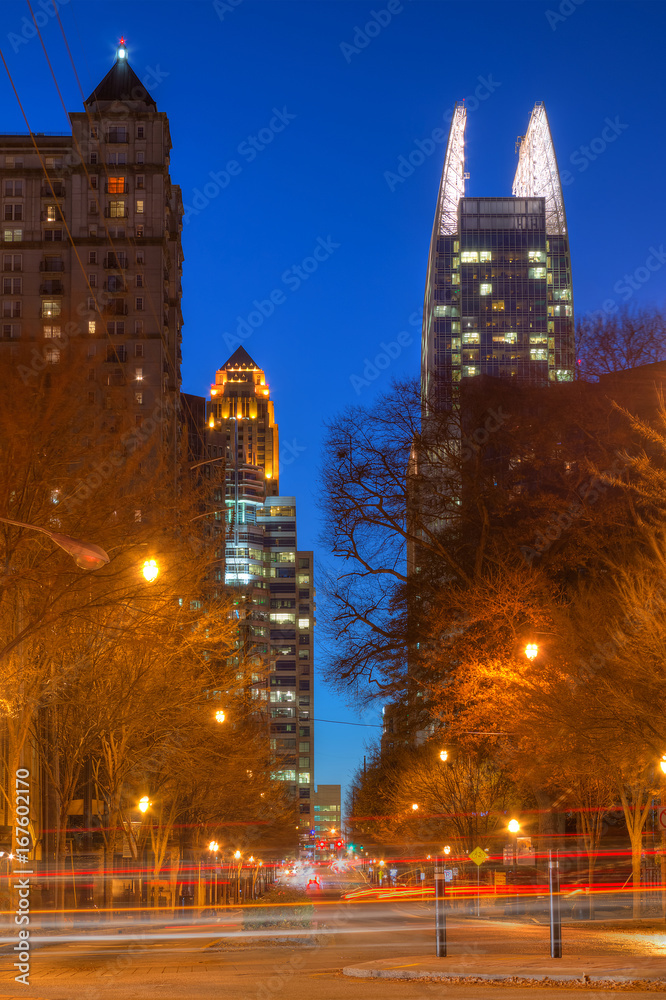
303,118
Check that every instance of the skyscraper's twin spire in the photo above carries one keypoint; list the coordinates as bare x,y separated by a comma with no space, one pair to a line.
537,175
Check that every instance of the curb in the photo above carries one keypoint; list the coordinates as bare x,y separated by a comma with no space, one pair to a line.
518,980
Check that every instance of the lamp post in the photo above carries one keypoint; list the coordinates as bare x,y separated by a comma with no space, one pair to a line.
238,857
514,828
86,555
143,805
662,812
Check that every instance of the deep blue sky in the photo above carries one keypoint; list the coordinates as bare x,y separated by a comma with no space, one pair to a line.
219,71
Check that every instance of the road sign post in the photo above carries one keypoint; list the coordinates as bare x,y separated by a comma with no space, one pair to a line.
478,856
555,914
440,912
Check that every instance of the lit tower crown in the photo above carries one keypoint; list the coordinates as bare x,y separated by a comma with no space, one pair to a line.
537,175
452,186
240,400
498,296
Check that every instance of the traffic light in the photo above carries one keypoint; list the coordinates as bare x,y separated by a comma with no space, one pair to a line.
339,844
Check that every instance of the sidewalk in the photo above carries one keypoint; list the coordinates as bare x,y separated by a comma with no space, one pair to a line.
579,968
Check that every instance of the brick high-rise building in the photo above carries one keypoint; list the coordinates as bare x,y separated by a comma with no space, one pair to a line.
92,250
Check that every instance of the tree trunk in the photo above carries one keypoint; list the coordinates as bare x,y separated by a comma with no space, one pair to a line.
591,858
636,850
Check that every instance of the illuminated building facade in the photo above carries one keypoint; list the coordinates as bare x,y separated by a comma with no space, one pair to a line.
291,651
327,810
498,297
241,409
273,578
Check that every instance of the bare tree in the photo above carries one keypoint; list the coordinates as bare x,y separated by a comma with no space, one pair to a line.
625,339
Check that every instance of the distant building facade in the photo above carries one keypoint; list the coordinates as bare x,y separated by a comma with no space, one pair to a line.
327,810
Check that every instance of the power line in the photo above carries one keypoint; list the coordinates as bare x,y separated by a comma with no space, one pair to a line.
339,722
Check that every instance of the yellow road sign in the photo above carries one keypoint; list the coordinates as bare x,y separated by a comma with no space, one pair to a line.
478,856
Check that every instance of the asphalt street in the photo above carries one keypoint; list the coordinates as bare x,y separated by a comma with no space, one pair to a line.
213,959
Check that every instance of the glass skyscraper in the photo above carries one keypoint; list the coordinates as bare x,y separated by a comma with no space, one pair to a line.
498,297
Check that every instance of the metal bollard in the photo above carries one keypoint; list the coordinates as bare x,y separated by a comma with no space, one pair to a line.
555,914
440,912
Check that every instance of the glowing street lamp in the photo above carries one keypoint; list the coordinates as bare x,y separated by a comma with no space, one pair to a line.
531,650
237,855
150,570
213,847
443,755
447,849
220,716
144,804
662,763
514,826
415,806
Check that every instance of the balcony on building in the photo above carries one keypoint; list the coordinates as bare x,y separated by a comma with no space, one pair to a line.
115,261
51,288
57,192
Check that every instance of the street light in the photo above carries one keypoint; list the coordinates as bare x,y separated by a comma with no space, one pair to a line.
237,855
531,650
144,804
415,806
220,716
86,555
213,847
662,763
447,849
150,570
443,755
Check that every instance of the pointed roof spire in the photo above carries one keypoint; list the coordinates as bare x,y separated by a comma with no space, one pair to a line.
241,359
121,84
537,175
452,184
